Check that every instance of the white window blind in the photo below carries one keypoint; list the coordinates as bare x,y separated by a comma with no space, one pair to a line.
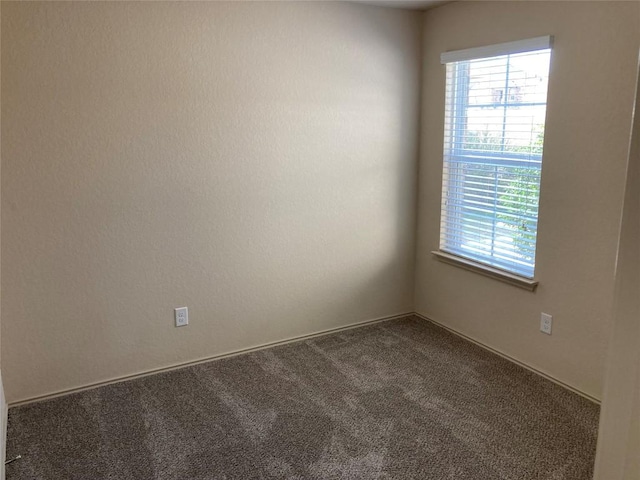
494,131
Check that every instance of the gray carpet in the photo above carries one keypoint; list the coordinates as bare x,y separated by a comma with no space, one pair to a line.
402,399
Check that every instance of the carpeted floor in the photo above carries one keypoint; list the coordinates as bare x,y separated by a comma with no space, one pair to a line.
402,399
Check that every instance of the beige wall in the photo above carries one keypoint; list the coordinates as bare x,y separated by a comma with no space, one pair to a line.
3,401
253,161
591,90
256,162
618,456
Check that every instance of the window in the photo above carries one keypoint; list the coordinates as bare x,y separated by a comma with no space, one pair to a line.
496,101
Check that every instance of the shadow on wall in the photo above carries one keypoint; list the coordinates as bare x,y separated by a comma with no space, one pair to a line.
255,163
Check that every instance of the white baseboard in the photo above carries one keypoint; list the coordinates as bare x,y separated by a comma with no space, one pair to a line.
511,359
274,344
178,366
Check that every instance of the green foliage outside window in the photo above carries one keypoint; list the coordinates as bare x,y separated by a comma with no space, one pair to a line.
519,187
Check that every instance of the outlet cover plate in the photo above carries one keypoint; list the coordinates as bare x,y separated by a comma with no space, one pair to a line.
181,316
546,322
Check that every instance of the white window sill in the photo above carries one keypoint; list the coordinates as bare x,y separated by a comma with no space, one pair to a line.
486,270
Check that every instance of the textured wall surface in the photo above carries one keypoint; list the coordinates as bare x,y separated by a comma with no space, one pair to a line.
253,161
3,399
591,90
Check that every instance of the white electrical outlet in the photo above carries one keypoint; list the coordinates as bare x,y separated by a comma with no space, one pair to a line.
182,316
546,322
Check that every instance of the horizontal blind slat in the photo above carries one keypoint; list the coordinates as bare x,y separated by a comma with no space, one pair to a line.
472,217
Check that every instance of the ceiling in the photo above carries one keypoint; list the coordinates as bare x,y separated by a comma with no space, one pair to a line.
411,4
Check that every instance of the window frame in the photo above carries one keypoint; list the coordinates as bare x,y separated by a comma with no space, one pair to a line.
454,153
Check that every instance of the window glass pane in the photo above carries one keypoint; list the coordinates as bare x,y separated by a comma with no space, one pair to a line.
494,133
